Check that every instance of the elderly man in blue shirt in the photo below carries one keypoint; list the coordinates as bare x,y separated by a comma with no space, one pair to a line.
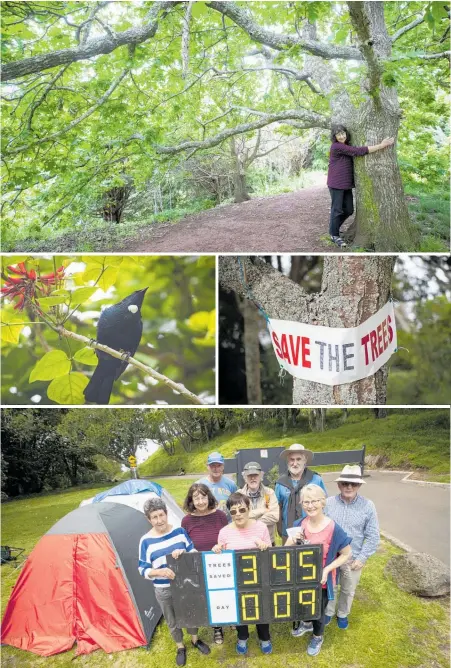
358,517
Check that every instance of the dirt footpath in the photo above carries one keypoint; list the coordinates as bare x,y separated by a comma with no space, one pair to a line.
289,223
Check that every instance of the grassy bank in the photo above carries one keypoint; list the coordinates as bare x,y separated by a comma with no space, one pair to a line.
406,440
388,627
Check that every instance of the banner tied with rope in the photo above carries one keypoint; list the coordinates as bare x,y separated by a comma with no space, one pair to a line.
335,355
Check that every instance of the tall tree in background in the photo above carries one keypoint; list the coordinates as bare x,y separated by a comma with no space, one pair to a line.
100,91
353,289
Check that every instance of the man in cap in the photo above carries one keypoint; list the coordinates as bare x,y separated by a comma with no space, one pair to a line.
264,504
289,485
358,517
221,486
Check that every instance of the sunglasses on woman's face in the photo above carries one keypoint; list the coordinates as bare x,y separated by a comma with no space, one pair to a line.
241,510
350,484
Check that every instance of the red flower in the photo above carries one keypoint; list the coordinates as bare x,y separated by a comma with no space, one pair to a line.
51,279
27,285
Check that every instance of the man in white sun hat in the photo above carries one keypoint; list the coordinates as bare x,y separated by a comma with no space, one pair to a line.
289,485
357,516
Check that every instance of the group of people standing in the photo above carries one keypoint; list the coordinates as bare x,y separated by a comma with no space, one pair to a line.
219,517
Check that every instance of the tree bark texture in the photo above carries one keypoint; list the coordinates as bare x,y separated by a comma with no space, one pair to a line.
251,351
382,219
240,192
352,289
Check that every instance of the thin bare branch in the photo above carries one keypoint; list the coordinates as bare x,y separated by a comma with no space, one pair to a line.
177,387
402,31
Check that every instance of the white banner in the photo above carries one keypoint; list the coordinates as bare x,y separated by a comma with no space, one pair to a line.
335,355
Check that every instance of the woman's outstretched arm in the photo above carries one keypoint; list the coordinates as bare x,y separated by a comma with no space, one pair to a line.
389,141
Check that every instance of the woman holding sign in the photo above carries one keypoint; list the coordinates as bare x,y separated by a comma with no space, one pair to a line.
154,546
203,523
244,533
318,529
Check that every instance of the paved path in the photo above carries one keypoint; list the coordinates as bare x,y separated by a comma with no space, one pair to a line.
414,514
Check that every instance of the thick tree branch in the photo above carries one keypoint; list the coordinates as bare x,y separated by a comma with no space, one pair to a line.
279,296
73,123
360,17
89,49
280,41
427,56
309,119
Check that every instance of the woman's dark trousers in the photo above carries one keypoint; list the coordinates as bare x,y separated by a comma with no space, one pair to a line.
319,624
262,632
342,208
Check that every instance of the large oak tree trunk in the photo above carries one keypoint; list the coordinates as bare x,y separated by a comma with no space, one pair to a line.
251,351
353,289
382,219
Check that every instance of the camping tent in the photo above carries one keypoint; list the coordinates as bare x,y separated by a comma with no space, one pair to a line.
135,493
81,584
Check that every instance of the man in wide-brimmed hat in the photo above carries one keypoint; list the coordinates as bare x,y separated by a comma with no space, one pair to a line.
358,517
289,485
264,504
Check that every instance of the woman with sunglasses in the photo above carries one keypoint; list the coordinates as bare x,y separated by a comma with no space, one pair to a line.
318,529
244,533
358,517
203,524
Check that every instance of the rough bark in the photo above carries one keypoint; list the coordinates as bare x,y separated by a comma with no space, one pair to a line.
317,419
240,192
251,351
93,47
353,289
382,220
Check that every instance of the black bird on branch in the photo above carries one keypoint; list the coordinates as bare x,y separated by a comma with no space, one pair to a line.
119,327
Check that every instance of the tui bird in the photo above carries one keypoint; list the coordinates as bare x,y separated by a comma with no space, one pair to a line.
119,327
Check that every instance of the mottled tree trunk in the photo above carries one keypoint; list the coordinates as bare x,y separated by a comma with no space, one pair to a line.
251,351
382,219
353,288
317,419
240,192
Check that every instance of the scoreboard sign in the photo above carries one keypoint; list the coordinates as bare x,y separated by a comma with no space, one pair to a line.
280,584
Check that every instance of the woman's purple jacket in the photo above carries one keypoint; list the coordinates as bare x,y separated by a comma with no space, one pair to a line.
341,168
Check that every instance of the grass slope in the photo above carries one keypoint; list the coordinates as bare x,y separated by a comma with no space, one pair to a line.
388,627
418,439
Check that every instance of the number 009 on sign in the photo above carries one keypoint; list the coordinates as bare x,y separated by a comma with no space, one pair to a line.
285,605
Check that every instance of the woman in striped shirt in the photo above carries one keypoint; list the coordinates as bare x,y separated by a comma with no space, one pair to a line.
243,533
154,547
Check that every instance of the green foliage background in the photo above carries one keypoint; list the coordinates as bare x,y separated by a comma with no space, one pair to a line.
178,328
421,625
59,185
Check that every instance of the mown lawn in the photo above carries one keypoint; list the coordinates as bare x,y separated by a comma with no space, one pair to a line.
412,439
388,628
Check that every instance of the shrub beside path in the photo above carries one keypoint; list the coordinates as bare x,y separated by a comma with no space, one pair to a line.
288,223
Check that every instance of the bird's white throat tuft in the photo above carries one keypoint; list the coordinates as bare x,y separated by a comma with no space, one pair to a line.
133,308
